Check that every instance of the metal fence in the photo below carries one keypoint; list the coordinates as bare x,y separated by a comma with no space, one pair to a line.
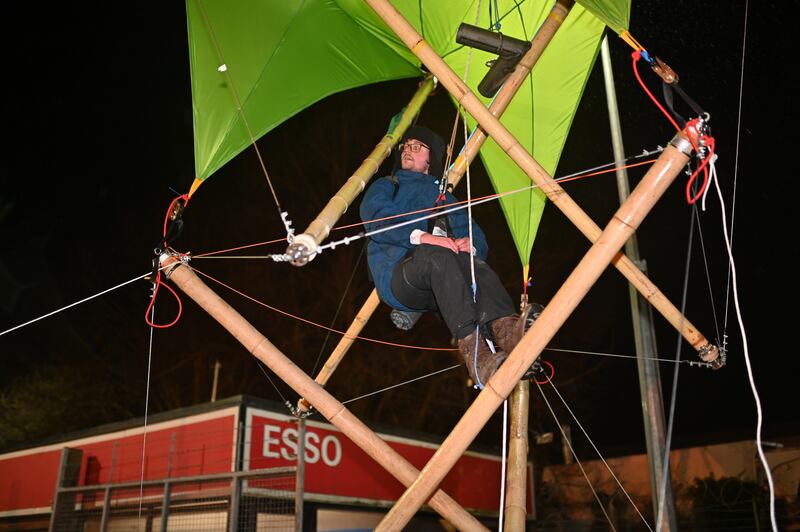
247,501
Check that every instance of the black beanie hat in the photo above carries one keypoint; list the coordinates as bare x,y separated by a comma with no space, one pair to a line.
432,141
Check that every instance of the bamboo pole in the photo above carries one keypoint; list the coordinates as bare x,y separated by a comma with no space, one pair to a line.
557,195
334,411
497,107
619,229
305,243
515,507
344,344
303,248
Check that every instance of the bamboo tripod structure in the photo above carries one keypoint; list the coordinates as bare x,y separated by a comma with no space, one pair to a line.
500,103
708,352
557,195
605,250
517,466
422,486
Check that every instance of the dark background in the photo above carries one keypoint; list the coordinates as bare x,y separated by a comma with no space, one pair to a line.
99,141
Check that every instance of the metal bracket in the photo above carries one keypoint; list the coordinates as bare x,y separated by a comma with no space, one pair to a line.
713,355
302,250
297,411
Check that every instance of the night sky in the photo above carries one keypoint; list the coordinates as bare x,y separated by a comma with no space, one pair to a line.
98,132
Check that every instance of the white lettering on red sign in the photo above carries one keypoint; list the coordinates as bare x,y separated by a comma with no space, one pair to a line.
282,443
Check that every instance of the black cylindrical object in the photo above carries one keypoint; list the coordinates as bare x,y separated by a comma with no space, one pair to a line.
508,49
491,41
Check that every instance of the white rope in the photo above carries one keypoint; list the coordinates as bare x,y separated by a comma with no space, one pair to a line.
732,274
400,384
756,398
577,460
475,287
597,451
283,257
229,83
146,408
503,467
347,240
73,304
617,355
469,180
712,178
736,159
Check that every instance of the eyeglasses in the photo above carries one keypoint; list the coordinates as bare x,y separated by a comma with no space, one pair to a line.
414,148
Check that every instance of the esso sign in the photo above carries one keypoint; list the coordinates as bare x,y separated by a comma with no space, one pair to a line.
281,442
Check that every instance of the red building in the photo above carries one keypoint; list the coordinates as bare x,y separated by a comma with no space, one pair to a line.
228,465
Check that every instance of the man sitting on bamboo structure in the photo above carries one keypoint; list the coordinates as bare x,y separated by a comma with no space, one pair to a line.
427,265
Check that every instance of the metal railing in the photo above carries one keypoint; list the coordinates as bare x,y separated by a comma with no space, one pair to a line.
262,499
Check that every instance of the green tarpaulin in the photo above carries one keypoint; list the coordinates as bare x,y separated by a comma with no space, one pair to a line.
272,59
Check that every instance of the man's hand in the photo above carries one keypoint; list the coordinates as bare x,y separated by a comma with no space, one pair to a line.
463,244
441,241
456,245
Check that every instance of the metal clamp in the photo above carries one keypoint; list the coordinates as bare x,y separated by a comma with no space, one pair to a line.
711,354
302,250
664,71
682,144
298,411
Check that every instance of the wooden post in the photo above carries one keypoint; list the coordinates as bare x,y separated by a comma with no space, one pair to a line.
515,509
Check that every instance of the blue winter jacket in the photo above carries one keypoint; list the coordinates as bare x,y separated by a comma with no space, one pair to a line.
413,191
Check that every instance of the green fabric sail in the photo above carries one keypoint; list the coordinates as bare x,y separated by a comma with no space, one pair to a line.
267,61
615,15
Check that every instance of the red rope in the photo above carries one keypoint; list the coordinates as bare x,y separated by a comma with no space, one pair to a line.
636,56
318,325
691,132
552,373
692,125
158,282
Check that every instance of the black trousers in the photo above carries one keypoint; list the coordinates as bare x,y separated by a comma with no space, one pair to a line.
434,278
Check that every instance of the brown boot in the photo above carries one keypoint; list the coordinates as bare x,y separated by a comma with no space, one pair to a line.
508,330
487,362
